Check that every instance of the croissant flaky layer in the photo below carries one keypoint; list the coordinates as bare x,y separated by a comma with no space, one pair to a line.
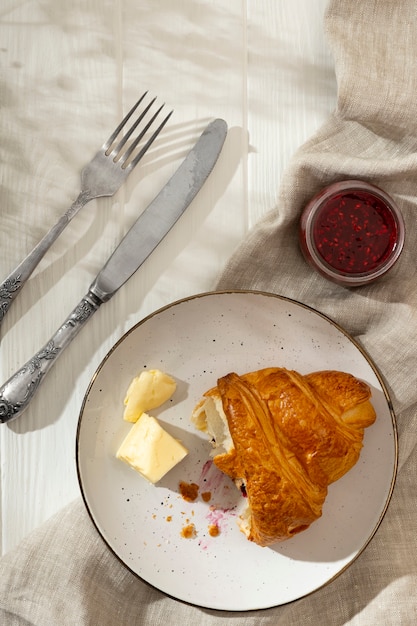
285,437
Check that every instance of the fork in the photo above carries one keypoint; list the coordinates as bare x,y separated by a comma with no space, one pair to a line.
103,176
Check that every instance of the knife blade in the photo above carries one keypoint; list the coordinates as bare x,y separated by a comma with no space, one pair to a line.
138,243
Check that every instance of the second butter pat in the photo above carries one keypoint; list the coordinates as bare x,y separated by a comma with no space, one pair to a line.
147,391
150,450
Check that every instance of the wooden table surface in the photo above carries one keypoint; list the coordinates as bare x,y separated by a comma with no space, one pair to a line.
70,70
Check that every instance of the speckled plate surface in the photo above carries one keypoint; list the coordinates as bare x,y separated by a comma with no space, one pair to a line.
196,341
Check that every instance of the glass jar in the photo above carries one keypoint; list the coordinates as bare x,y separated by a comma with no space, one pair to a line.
352,232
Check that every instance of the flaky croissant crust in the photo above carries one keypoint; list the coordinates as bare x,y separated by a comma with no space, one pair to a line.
293,435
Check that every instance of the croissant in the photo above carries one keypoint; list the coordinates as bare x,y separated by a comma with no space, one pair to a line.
283,438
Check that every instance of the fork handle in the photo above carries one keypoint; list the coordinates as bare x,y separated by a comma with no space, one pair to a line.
11,286
19,390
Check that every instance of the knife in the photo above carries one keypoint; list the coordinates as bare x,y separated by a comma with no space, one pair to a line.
143,237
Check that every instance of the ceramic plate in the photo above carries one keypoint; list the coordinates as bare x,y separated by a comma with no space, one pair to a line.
168,541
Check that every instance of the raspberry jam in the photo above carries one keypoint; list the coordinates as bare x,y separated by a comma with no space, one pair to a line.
352,232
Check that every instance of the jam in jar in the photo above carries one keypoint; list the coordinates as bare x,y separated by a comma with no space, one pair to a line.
352,232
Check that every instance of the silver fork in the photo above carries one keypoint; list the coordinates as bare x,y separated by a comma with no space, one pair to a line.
101,177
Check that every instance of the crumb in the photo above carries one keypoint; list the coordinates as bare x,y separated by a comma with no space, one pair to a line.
189,532
189,491
214,530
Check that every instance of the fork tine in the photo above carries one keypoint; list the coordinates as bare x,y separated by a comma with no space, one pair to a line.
150,141
117,149
130,150
114,135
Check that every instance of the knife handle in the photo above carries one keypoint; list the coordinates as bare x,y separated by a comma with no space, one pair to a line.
12,285
19,390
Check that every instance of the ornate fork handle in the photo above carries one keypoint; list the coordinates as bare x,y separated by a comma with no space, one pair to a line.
19,390
11,286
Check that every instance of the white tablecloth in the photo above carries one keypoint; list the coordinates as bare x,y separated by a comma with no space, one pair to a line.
70,70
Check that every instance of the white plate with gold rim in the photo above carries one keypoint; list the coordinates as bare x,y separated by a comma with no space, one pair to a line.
170,542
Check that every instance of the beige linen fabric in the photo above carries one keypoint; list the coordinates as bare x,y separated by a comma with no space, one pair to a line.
63,574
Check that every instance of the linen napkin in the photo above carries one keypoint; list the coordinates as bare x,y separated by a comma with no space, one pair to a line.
63,574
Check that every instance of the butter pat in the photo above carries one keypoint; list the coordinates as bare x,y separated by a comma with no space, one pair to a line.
150,450
147,391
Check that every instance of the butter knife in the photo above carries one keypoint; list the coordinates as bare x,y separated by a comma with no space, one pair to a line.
143,237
